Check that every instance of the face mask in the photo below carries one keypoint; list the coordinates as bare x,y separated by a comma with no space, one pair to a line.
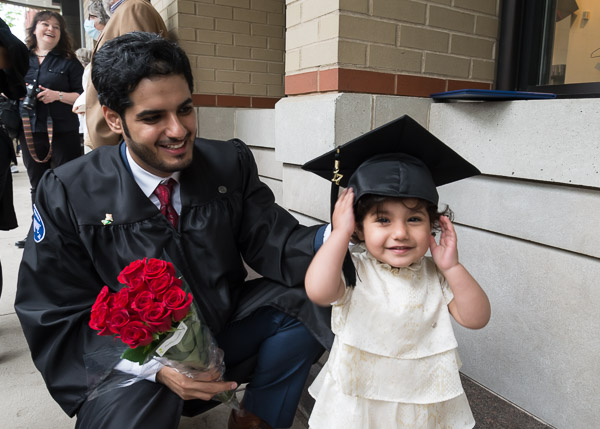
91,31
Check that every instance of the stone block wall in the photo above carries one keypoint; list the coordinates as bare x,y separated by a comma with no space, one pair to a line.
236,48
253,126
526,231
411,47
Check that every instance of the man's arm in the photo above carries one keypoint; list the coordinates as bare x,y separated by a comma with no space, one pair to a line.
271,240
56,288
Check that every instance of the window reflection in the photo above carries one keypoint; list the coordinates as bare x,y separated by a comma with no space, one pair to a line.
575,49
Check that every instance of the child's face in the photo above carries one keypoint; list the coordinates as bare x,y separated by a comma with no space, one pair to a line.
396,234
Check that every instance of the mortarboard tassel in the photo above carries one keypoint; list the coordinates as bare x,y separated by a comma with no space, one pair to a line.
347,266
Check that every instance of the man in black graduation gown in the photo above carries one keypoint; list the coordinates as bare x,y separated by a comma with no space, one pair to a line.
95,215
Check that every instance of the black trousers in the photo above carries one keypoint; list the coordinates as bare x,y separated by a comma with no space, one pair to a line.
65,147
271,350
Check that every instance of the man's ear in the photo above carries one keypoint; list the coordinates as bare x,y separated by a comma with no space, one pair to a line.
113,119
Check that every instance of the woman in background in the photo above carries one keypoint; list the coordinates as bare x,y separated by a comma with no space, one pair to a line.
51,129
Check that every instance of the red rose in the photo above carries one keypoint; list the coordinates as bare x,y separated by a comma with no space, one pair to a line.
98,318
137,285
136,334
117,319
132,271
142,300
157,316
121,299
161,284
103,297
176,300
157,268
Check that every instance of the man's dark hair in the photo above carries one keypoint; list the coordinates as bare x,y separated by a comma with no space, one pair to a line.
121,63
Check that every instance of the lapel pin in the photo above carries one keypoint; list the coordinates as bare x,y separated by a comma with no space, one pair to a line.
108,219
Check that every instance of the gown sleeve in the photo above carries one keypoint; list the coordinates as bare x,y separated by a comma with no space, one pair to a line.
271,240
57,286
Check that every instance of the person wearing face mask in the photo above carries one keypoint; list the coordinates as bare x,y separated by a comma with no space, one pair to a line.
97,19
51,129
94,25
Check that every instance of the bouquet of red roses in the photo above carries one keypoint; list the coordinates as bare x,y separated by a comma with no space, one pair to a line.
154,315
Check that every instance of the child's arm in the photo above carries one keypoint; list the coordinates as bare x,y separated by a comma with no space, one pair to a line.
323,281
470,306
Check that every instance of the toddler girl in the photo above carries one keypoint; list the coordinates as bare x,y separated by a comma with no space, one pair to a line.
394,362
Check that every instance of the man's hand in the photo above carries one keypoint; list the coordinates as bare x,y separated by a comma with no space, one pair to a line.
203,386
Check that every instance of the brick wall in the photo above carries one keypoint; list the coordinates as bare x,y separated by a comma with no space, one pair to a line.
235,46
450,41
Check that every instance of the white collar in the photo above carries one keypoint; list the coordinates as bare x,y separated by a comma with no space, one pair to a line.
146,180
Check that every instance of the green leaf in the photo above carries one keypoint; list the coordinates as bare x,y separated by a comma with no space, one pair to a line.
138,354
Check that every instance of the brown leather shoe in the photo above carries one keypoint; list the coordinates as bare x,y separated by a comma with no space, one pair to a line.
243,419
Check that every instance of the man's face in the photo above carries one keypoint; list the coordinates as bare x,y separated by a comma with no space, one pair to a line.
160,127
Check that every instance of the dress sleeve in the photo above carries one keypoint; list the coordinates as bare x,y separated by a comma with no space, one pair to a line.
271,240
57,286
446,290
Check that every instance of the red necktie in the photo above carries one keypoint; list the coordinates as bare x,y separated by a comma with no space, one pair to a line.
164,192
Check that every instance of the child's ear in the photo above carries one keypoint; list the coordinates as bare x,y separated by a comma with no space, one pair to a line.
359,233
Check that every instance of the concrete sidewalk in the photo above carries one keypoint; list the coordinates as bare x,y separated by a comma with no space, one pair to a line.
26,404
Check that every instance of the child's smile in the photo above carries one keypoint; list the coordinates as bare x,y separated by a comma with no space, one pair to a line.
397,232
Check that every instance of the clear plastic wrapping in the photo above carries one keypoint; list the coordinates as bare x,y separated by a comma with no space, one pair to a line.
155,317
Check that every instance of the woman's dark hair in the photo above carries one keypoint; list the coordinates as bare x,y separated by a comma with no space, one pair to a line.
366,203
121,63
64,46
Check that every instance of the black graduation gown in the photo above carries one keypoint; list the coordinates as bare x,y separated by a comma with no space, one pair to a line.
227,214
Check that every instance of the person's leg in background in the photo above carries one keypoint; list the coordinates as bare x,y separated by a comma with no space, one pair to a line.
65,147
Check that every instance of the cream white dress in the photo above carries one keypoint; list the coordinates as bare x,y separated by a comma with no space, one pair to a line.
394,362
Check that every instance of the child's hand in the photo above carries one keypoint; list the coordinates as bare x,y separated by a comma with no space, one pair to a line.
445,254
343,215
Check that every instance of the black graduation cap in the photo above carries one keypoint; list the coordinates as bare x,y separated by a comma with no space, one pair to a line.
400,158
397,159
